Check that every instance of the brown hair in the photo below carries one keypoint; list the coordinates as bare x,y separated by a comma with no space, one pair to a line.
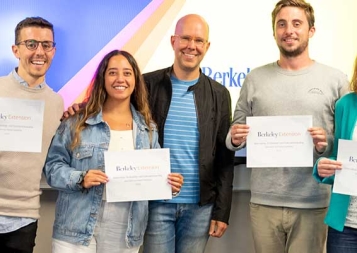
309,11
32,22
97,94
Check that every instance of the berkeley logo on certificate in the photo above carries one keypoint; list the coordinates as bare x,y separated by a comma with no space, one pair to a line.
279,141
137,175
21,124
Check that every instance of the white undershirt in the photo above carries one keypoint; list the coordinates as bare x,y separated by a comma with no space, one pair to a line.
120,141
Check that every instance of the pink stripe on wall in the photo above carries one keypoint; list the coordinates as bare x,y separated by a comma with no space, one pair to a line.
74,87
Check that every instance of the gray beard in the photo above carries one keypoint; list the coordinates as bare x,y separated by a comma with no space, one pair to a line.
291,54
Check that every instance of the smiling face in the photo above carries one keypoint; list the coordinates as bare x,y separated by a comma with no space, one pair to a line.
188,56
292,32
119,79
33,65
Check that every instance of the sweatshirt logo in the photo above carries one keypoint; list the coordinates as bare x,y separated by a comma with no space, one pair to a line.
315,91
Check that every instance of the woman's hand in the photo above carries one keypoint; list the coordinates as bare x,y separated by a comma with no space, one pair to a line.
94,178
327,167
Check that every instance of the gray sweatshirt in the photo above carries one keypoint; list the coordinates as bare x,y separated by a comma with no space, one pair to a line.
272,91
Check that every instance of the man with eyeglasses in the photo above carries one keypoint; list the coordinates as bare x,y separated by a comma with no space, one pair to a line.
193,115
20,172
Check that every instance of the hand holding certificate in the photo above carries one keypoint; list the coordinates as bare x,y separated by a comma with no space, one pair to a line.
346,178
137,175
279,141
21,124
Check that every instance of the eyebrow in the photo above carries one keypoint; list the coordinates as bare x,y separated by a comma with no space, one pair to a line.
284,20
114,68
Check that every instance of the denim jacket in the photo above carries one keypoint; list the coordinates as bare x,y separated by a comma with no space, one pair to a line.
77,210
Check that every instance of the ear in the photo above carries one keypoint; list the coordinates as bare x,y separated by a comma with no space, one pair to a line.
312,31
208,45
172,40
15,51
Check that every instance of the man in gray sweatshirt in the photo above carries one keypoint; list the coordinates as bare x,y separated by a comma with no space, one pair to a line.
287,206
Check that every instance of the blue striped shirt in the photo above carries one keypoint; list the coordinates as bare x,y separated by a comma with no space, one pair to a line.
181,136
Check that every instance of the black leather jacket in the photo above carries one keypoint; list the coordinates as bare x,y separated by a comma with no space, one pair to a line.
216,162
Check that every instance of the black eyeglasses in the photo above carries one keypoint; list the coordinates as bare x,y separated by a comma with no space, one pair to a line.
33,45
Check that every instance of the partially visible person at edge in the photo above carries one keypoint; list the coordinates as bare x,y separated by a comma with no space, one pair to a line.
20,172
116,117
193,115
287,206
341,216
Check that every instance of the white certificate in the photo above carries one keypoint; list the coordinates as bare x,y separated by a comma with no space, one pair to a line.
137,175
21,123
346,178
279,141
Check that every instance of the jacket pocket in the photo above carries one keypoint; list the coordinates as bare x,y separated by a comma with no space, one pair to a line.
83,158
83,152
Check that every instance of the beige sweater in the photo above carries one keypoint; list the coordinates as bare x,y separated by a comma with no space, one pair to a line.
20,172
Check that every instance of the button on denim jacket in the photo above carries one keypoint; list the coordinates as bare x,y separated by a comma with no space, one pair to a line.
77,209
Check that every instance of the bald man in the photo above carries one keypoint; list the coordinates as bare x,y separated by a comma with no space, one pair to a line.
193,114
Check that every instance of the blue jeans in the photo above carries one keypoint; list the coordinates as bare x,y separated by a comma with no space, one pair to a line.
342,242
177,228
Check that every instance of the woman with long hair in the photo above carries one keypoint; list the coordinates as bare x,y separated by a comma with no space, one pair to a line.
115,117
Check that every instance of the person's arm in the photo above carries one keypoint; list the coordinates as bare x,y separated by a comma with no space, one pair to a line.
224,169
57,170
238,132
324,169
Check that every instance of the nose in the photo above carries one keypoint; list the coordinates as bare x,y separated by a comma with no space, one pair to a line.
39,49
289,29
191,43
120,78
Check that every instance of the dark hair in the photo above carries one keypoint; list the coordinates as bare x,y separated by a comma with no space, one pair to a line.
32,22
97,94
309,11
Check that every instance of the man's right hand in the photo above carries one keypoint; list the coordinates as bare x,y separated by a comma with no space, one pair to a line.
239,134
71,110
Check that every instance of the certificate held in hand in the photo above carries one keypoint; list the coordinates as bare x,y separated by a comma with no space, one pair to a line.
346,178
279,141
137,175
